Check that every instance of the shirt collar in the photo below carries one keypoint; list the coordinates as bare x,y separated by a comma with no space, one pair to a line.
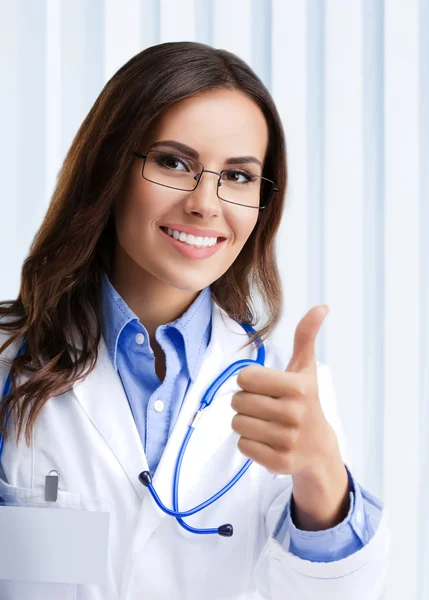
193,324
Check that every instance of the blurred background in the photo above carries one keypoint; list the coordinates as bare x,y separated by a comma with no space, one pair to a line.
351,82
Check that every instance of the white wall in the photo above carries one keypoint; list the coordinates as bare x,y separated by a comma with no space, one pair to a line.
351,80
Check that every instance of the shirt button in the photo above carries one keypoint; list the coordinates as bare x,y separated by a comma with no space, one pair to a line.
159,405
359,517
140,338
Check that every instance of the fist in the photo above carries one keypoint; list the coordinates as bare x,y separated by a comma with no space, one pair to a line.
279,417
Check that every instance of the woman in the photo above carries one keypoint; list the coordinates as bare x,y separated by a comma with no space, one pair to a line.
135,297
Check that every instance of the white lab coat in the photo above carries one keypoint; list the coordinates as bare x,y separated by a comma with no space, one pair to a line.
88,435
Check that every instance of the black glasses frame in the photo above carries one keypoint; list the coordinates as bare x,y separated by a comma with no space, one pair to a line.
199,176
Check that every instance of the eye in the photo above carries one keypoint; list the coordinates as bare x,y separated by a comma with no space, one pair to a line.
171,162
240,177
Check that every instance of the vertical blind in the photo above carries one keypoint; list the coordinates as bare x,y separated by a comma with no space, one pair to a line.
351,82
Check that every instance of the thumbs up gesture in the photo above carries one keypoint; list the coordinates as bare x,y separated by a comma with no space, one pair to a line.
282,427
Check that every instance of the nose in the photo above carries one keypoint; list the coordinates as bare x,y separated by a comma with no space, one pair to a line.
204,199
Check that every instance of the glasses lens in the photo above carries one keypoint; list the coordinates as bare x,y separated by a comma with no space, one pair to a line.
171,170
244,187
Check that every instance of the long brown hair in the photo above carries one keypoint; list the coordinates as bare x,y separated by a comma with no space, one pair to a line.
59,297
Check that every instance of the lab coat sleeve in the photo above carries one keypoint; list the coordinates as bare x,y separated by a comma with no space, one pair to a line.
280,575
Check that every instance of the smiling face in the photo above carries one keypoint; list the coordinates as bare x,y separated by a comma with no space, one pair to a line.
215,126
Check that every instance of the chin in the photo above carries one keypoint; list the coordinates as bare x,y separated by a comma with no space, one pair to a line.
184,281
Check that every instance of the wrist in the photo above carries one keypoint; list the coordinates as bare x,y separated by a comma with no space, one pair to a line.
321,498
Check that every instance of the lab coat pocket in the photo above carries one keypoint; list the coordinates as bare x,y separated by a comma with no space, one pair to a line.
56,543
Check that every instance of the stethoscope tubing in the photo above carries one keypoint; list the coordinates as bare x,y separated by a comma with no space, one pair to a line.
227,529
193,511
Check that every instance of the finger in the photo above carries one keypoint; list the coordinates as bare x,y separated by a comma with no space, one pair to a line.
264,455
269,382
304,347
287,412
272,434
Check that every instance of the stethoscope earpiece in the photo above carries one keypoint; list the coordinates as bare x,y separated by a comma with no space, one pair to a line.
145,478
226,530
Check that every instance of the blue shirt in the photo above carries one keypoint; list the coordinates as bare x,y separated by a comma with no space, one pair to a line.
155,406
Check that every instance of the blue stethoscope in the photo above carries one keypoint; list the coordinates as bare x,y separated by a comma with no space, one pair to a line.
145,477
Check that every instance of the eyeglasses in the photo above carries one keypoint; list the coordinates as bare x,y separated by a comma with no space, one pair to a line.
237,186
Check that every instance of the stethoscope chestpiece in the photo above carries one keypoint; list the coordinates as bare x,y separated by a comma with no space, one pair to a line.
145,478
225,530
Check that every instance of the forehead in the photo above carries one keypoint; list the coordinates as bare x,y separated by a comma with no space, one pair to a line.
216,123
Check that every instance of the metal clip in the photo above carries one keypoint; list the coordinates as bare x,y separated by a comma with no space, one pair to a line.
196,418
51,486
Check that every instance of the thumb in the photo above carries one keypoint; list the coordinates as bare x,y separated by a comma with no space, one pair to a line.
304,346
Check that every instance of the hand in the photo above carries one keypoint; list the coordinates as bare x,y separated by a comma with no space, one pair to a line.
279,415
282,427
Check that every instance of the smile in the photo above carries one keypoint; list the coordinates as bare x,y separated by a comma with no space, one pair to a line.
207,247
190,239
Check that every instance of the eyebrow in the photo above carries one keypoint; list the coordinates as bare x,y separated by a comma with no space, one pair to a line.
234,160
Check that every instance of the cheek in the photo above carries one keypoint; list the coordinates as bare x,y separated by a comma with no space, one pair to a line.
243,225
139,206
242,229
128,214
131,216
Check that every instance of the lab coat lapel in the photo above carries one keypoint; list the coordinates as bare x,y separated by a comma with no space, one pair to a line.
102,397
214,427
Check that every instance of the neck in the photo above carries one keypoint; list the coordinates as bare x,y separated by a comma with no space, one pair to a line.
154,302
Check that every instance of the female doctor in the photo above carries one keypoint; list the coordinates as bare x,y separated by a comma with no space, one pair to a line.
123,414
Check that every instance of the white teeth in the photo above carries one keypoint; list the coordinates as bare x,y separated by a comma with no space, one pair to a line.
192,240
